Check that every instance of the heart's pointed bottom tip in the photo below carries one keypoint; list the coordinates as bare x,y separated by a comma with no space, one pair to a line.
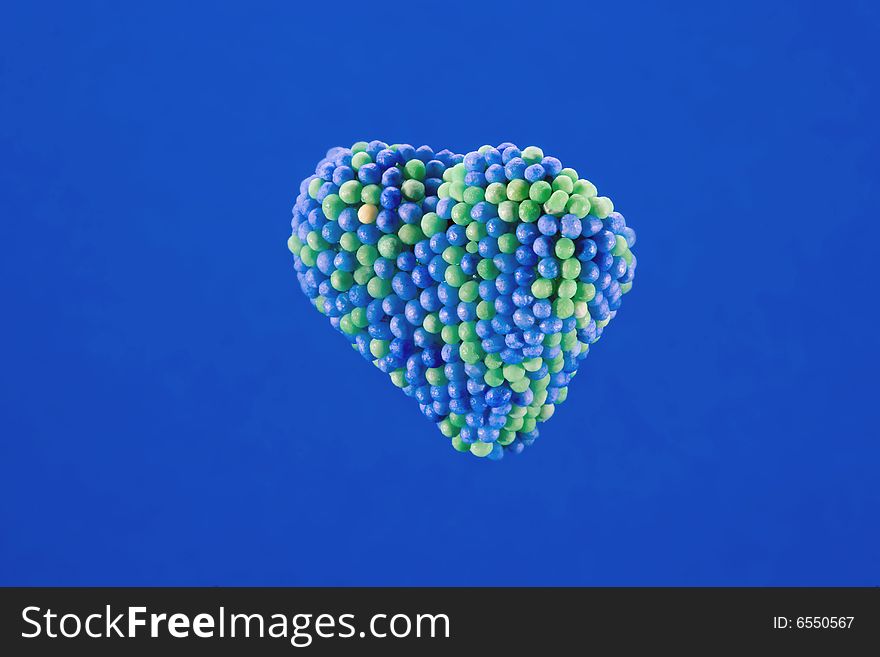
477,282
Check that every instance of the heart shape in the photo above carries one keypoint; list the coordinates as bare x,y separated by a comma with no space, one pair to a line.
477,282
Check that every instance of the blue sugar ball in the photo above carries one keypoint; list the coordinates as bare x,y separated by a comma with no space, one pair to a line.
332,231
392,177
475,179
614,222
447,294
523,318
401,328
534,173
456,235
469,263
324,262
496,227
474,161
484,212
370,174
414,313
431,187
421,276
604,280
496,420
374,147
456,388
487,434
437,268
438,243
570,226
434,169
449,353
393,305
359,295
504,305
605,240
502,324
404,286
429,299
467,311
592,225
348,220
585,249
514,340
380,331
525,276
424,153
375,313
487,290
487,247
342,158
505,283
495,174
525,256
494,343
423,251
604,260
515,168
533,336
444,207
474,387
410,213
368,234
618,268
548,267
431,357
509,153
406,152
492,156
569,324
444,156
388,222
548,224
384,268
543,246
630,236
522,297
326,189
390,198
422,338
505,262
325,169
551,165
483,328
342,174
511,356
448,316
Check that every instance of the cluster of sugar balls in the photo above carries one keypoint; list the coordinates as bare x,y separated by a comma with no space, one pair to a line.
477,282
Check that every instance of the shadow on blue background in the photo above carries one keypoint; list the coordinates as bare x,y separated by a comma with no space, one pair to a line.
173,412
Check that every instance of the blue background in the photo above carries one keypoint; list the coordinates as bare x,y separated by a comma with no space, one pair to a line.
173,412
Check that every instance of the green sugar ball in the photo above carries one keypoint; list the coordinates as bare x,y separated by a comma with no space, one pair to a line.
449,335
564,308
494,377
455,276
508,210
379,348
470,352
468,331
459,445
308,256
350,242
359,147
487,269
456,190
563,183
564,248
585,188
436,376
485,310
367,254
585,292
468,292
481,449
571,173
578,205
493,361
350,192
359,317
315,241
540,191
571,268
556,203
414,169
371,194
348,327
620,246
378,288
452,255
508,243
432,323
315,187
529,211
363,274
413,190
389,246
567,289
601,206
513,372
359,159
518,190
473,195
532,154
410,234
520,385
475,231
341,280
496,193
461,214
332,205
542,288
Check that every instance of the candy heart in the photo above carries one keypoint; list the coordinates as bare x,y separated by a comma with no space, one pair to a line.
477,282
